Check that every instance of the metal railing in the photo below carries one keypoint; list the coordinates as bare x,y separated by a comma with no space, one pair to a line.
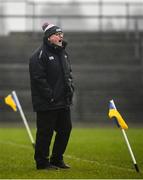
129,16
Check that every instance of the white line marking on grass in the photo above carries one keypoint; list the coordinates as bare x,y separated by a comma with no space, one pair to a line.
15,144
98,163
68,156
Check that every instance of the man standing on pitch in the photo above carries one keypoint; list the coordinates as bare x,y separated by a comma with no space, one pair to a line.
52,92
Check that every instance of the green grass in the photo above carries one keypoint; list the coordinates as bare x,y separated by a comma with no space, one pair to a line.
96,153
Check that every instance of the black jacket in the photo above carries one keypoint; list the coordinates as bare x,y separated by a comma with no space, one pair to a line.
51,78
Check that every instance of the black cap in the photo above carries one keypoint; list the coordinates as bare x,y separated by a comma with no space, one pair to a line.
50,29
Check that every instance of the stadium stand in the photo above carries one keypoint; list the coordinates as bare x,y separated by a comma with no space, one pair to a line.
105,66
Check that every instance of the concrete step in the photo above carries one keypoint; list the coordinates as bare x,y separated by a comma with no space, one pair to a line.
94,105
91,77
15,76
97,101
85,53
89,101
109,78
75,36
19,47
88,106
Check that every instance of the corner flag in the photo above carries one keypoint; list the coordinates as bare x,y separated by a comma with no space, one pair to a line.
9,100
113,113
13,101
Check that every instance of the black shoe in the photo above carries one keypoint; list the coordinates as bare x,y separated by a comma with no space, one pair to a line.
60,164
47,167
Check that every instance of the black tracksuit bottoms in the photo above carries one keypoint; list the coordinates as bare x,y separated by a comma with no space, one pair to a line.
48,122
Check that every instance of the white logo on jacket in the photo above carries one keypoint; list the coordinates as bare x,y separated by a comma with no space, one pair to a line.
51,58
66,56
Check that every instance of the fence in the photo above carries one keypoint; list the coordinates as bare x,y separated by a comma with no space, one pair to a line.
74,15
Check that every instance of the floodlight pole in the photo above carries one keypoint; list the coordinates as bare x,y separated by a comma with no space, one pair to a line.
23,118
128,144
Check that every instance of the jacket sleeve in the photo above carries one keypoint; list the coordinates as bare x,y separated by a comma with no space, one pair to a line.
39,80
70,83
71,78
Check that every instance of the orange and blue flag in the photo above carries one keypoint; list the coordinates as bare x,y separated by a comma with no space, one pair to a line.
9,100
114,114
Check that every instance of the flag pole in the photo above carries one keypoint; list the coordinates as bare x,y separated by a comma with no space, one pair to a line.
23,118
128,144
130,150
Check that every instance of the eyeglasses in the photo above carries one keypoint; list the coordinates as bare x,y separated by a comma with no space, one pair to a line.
59,34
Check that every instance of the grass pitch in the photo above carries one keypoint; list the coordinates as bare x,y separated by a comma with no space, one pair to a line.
93,153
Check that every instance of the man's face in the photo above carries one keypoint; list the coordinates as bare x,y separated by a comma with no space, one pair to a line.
56,38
